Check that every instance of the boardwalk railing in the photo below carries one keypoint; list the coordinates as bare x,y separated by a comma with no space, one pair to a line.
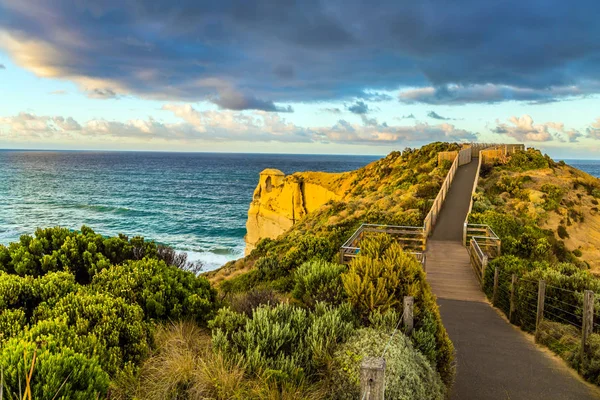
434,212
484,245
412,239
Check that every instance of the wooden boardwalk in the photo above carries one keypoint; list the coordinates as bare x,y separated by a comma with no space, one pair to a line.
494,359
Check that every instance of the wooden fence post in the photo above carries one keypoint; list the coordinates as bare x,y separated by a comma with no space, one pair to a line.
484,264
540,307
495,293
341,256
513,284
409,303
588,322
372,378
465,233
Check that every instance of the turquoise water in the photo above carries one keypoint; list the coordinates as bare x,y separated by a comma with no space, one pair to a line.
194,202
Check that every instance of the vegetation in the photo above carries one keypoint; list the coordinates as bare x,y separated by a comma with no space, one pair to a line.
87,306
125,318
540,210
409,375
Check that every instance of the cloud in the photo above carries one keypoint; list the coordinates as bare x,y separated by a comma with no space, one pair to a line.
490,93
58,92
408,116
285,52
524,130
2,66
573,135
434,115
230,99
360,107
104,93
332,110
593,131
226,125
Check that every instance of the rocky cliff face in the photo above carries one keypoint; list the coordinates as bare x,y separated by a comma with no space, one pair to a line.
280,201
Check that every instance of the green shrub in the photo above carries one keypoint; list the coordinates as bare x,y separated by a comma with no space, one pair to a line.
95,324
307,248
408,374
59,372
319,281
377,281
163,292
577,253
527,160
379,277
562,232
283,341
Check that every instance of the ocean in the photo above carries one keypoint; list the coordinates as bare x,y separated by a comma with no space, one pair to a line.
592,167
194,202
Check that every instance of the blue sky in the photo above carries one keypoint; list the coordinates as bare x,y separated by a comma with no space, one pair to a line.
315,76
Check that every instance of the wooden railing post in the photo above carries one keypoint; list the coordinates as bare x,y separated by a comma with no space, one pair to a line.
372,378
588,322
465,226
513,285
540,307
409,303
484,264
341,256
495,293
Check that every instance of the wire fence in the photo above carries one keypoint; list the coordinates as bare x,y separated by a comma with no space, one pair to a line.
521,301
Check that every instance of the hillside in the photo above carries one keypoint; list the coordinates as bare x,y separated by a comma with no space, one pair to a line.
555,197
395,190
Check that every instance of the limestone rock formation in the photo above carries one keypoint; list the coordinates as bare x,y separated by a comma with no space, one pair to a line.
280,201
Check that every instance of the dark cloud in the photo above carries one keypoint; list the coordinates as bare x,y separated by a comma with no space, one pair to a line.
314,50
434,115
360,107
489,93
101,93
593,131
409,116
2,66
332,110
232,100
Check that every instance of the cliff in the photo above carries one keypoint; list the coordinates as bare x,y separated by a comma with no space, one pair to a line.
279,201
312,211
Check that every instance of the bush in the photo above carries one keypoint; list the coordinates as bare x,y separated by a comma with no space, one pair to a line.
319,281
163,292
562,232
408,374
246,302
380,277
283,341
95,325
59,372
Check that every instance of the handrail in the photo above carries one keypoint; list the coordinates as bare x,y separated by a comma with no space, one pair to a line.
420,233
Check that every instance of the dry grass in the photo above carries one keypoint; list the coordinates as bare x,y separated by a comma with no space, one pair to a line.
185,367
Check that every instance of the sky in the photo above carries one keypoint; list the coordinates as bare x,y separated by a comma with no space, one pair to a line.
348,77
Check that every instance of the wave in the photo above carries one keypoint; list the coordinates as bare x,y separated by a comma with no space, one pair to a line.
111,209
212,260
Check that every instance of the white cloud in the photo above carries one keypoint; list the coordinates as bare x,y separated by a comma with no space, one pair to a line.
524,130
223,125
